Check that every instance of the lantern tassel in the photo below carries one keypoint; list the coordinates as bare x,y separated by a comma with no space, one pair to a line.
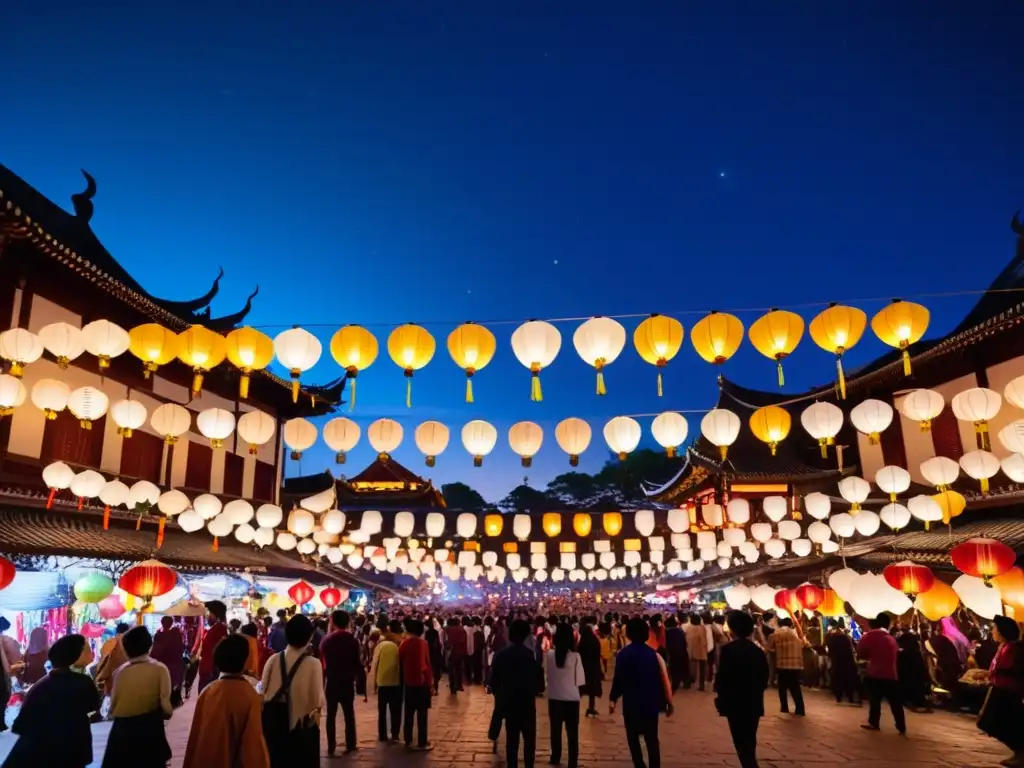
981,429
984,485
160,532
50,498
782,376
352,400
138,523
295,390
243,386
601,390
906,363
408,393
824,448
469,390
197,382
216,544
81,503
842,378
660,393
536,395
106,517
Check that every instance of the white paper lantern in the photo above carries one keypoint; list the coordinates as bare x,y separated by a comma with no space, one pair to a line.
678,520
435,525
58,476
829,547
713,514
896,516
305,547
775,548
855,490
219,526
622,435
871,418
50,396
465,525
818,505
892,480
867,523
256,428
301,522
479,438
333,522
354,561
573,436
20,347
341,436
489,559
88,484
761,531
822,421
269,516
12,394
631,559
172,502
535,345
238,511
62,340
1014,392
1013,467
643,520
105,340
1012,436
599,341
142,494
128,415
980,466
789,530
940,471
190,521
670,430
733,536
299,436
720,427
984,599
264,537
170,421
978,405
775,508
737,597
521,525
925,508
513,561
372,522
843,525
922,406
297,350
706,540
607,560
216,424
870,595
801,547
245,534
763,596
405,524
819,532
207,505
841,582
709,553
738,511
88,404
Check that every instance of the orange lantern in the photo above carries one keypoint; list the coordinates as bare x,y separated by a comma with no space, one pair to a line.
909,578
6,572
330,597
983,558
493,525
551,522
810,596
938,602
148,579
300,592
1011,586
582,524
612,522
831,605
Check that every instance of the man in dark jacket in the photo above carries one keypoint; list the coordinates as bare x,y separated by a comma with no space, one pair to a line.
457,640
740,685
344,677
641,681
678,658
514,683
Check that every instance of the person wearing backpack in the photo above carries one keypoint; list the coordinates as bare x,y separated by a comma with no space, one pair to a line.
293,698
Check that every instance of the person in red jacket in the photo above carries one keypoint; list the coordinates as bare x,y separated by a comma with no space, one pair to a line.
879,648
217,615
418,678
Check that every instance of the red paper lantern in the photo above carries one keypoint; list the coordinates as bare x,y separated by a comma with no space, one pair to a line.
983,558
330,597
787,600
301,593
909,578
810,596
148,579
6,572
110,607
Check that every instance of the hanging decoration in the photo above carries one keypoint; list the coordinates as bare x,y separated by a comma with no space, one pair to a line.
892,480
472,347
978,405
301,593
256,428
622,434
62,340
248,350
836,330
385,435
202,350
909,578
899,325
341,436
717,336
479,438
148,579
536,346
216,424
128,415
353,348
658,339
871,418
573,437
770,424
720,427
922,406
331,597
93,587
12,394
7,572
670,430
299,435
50,396
980,466
938,602
599,341
87,404
525,439
411,347
105,340
19,347
775,335
822,421
431,438
983,558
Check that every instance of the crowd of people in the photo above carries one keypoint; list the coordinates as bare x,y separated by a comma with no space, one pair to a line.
266,686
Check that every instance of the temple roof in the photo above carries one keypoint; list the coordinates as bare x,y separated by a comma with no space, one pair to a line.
382,484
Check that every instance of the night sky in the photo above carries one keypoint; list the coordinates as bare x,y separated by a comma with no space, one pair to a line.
437,162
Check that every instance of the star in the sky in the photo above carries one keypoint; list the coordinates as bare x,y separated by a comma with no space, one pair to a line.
721,174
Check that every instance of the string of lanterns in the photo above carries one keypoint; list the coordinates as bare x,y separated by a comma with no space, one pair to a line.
598,341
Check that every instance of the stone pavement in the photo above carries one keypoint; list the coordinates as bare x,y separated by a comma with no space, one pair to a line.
694,737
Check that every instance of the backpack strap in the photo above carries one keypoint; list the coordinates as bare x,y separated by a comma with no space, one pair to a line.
287,677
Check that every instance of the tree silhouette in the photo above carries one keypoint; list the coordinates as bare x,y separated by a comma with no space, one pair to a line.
524,499
461,496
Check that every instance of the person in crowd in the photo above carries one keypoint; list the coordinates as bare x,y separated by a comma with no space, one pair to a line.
843,660
293,699
227,730
604,634
53,724
565,678
216,615
276,639
418,678
656,634
912,671
950,650
697,650
234,626
112,656
36,655
139,705
740,685
984,648
433,637
345,675
878,647
515,687
169,650
386,676
590,655
476,631
1002,716
788,648
320,630
641,681
457,642
10,655
252,666
678,658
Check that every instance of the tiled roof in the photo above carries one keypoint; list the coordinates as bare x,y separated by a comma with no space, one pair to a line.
385,469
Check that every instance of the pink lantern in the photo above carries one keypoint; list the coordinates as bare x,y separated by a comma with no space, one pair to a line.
111,607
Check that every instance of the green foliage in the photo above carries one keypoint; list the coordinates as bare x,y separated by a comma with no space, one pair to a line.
461,496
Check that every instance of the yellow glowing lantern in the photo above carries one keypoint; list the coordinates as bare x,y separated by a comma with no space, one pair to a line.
657,340
248,350
472,347
411,347
951,503
938,602
612,523
582,524
836,330
770,424
599,341
535,345
717,336
525,438
153,344
202,350
551,522
354,348
298,350
899,325
493,525
775,335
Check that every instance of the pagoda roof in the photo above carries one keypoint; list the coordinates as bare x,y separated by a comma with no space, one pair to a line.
67,238
383,483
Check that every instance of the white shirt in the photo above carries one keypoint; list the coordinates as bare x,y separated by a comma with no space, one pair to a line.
564,683
141,686
306,696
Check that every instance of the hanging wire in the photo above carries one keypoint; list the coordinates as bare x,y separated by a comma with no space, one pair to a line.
635,315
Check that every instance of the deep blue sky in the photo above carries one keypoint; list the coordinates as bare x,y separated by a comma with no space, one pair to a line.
439,162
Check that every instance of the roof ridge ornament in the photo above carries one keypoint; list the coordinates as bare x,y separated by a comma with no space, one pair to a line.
82,201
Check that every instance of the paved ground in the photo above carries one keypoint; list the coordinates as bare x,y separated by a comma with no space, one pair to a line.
694,737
